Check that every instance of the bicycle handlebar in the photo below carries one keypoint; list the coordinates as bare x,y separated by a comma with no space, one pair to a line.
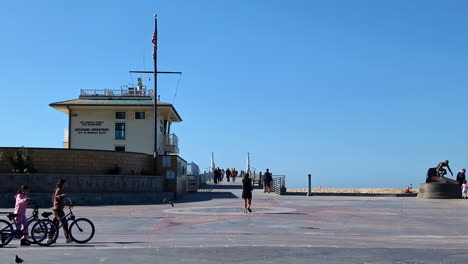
70,203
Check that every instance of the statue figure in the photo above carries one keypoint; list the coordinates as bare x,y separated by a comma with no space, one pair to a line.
440,168
437,174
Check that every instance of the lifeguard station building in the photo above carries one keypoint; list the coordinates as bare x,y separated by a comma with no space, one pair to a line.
119,120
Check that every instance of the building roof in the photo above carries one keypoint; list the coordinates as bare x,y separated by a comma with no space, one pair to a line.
165,108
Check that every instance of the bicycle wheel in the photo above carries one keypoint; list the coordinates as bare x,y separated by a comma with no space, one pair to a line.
81,230
6,233
30,225
44,232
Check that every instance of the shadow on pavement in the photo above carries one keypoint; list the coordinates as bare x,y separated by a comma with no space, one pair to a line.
205,196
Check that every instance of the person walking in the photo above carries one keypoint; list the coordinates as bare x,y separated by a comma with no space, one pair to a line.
222,174
59,203
247,192
461,176
22,203
464,189
228,174
234,174
267,180
216,176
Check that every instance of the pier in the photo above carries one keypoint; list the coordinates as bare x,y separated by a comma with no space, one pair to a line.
209,227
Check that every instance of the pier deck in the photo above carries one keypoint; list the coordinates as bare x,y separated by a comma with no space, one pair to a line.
210,227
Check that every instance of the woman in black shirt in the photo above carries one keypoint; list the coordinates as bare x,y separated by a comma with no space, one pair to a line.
247,192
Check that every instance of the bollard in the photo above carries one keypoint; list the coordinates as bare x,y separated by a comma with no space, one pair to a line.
309,191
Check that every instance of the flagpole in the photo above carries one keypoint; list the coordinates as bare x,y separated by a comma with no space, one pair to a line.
155,114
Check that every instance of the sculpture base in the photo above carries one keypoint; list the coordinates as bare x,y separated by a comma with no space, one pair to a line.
439,190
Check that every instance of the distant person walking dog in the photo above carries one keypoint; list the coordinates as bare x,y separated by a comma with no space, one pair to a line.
267,180
247,192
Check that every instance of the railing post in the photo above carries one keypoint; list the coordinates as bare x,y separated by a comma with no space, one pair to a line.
309,191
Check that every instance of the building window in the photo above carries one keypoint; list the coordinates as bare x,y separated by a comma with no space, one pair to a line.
119,130
139,115
119,148
119,115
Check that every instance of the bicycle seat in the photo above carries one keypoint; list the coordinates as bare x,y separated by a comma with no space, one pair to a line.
11,216
46,214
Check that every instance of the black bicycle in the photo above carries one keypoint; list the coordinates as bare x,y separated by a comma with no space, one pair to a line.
39,233
81,230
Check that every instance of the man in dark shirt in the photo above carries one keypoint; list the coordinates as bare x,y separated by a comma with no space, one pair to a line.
267,181
461,177
228,174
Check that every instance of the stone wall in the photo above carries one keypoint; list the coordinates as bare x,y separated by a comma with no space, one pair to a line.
87,189
76,161
77,183
7,200
88,178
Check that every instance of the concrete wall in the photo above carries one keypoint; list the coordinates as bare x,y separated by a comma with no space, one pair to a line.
73,161
85,172
88,189
94,128
174,169
83,183
7,200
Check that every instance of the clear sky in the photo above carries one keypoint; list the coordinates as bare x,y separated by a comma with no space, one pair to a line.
357,93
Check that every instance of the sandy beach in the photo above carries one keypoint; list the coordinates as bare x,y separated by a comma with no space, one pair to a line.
353,190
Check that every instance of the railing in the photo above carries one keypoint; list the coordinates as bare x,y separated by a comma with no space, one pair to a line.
205,177
279,184
172,143
124,91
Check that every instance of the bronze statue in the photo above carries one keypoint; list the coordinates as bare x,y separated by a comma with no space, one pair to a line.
437,174
440,168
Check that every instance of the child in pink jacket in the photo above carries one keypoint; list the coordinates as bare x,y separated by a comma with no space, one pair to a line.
22,202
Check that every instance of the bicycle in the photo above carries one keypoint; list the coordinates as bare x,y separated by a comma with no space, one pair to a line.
38,234
81,230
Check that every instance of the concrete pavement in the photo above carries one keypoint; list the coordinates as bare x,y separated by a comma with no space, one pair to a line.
210,227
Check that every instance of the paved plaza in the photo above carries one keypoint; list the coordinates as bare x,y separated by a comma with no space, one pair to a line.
210,227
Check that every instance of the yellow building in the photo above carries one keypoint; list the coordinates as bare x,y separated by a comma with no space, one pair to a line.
120,120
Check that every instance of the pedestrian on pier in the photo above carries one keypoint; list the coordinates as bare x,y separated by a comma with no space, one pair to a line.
234,174
464,188
228,174
461,177
216,175
247,192
267,180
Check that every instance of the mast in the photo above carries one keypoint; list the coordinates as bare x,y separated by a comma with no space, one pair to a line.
155,113
155,72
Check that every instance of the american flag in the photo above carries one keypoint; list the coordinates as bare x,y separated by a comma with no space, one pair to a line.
155,41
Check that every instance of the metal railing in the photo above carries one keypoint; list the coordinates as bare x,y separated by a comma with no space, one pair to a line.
124,91
279,184
171,143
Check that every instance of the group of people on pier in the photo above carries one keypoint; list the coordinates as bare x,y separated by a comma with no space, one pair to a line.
230,174
247,184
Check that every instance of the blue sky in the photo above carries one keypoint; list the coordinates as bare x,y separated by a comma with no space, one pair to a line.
357,93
